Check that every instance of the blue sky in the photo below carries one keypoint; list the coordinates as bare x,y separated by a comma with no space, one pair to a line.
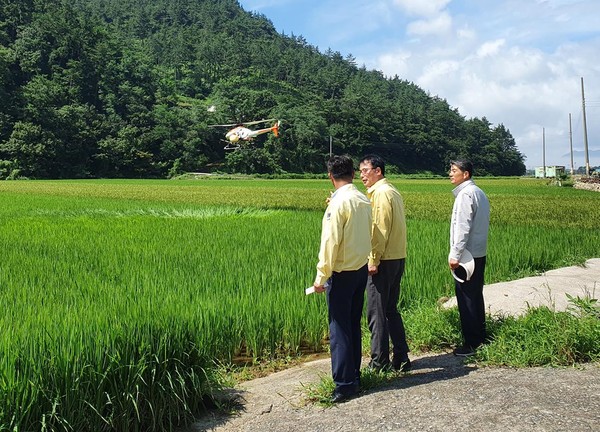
515,62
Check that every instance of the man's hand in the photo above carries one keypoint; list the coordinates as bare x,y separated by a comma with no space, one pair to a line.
319,288
453,263
372,269
328,199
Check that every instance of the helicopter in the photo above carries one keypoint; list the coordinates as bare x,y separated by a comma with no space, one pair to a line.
240,131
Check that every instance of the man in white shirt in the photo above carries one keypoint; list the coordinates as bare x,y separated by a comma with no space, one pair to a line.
469,232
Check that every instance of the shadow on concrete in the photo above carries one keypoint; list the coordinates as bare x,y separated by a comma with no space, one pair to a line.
428,369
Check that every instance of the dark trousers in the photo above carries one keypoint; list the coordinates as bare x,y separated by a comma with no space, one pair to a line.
385,321
469,296
345,299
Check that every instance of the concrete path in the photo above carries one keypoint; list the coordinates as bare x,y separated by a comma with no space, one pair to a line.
440,394
548,289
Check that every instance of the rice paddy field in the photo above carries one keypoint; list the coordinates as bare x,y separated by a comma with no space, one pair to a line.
121,298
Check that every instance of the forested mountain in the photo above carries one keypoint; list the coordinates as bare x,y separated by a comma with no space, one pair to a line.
120,88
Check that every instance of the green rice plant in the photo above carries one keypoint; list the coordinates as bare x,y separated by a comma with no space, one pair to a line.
143,294
120,297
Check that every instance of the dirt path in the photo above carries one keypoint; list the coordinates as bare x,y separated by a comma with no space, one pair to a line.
441,393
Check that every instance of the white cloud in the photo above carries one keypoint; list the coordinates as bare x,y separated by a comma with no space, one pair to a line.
466,33
489,49
437,25
425,8
523,88
395,63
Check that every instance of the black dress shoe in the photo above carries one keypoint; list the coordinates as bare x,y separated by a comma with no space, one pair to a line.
338,396
464,351
403,366
379,368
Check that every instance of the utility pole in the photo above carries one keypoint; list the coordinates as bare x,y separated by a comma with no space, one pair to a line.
585,138
571,145
544,151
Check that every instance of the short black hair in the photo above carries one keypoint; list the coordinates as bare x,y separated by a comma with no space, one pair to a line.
341,167
376,161
464,165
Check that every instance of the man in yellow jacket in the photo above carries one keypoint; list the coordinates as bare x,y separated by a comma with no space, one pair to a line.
386,267
342,272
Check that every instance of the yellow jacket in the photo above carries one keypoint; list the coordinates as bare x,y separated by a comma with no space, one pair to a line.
388,234
346,233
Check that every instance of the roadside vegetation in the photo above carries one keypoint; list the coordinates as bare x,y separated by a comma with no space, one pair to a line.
128,304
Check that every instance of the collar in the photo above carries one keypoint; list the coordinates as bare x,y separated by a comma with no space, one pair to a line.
376,185
343,188
461,186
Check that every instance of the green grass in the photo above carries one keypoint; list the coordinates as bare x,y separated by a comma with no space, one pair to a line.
544,337
541,336
320,392
122,297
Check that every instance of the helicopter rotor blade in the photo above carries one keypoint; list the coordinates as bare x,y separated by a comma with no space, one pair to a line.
225,125
259,121
244,123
